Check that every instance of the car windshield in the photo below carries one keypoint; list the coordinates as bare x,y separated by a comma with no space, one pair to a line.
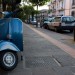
57,19
72,18
68,19
48,19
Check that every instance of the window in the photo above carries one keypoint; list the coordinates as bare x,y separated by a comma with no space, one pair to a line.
73,2
67,19
73,13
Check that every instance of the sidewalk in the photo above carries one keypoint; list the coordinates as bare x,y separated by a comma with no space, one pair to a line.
44,54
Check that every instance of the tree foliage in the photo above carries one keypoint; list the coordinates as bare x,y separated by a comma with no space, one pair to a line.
10,3
39,2
28,9
0,1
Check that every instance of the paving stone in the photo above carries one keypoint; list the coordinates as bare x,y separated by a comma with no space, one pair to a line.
21,72
72,69
2,72
63,71
65,60
43,71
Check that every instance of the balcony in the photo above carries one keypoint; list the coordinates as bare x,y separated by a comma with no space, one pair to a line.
61,9
73,2
53,10
73,5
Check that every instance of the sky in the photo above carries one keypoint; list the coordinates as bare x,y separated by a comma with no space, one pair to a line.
42,7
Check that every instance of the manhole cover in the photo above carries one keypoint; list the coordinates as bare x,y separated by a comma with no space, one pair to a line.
39,62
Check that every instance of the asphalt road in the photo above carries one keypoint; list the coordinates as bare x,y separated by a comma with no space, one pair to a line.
44,53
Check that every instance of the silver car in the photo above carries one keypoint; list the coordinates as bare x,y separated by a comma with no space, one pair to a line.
60,23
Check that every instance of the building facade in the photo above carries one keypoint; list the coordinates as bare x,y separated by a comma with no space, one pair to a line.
60,7
73,8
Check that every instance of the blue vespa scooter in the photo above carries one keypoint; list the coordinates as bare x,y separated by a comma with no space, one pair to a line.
11,41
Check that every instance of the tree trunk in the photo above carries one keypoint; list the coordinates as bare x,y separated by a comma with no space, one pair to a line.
32,16
37,17
37,7
4,6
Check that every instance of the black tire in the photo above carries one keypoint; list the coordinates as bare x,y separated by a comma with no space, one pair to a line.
56,30
8,60
46,26
71,31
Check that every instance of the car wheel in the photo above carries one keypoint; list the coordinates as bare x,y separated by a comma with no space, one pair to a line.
45,26
56,30
71,31
8,60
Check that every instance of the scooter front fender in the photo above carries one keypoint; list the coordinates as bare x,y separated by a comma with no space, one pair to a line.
5,45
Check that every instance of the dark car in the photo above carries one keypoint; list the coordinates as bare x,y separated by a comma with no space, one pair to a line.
44,23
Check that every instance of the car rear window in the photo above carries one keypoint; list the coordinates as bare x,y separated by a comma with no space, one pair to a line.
50,19
57,19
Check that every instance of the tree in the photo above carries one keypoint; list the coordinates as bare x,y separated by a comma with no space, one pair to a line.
10,3
38,2
0,1
27,11
0,5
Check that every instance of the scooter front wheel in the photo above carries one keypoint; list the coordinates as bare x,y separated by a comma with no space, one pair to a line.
8,60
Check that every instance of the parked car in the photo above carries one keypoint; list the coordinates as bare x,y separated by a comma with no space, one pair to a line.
60,23
34,22
44,23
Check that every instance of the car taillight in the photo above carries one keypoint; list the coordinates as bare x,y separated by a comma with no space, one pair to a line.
8,36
